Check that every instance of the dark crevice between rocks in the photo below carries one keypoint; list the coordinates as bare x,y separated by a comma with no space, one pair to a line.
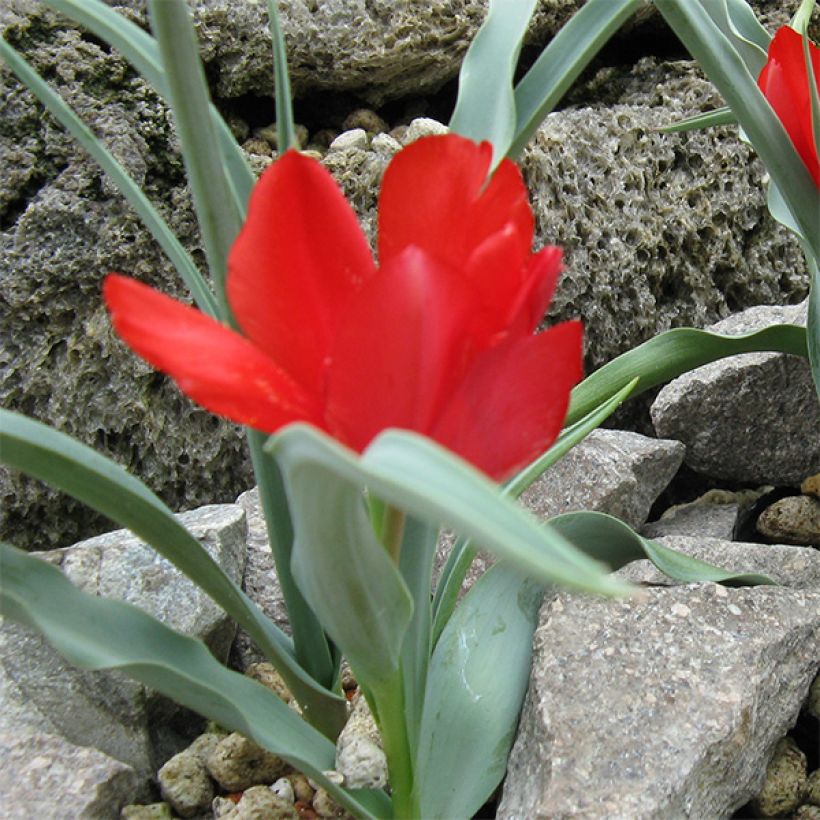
16,207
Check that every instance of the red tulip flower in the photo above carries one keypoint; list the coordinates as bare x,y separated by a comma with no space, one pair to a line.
438,339
784,82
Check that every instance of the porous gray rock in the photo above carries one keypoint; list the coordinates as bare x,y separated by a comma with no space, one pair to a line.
43,775
62,229
785,784
237,763
751,418
697,519
360,756
669,703
377,49
611,471
185,785
40,690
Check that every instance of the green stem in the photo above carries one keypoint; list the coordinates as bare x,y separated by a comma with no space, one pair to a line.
390,713
393,531
802,18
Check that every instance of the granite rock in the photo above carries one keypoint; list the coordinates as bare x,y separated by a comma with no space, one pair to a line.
122,718
750,419
697,519
670,703
360,752
43,775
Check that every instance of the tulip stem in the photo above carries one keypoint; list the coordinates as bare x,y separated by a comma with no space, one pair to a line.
393,531
800,21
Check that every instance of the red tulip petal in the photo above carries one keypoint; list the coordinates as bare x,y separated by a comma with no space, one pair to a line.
436,196
784,82
401,346
215,366
511,405
298,259
540,277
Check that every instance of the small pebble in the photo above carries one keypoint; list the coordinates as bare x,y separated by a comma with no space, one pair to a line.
302,789
813,788
807,812
325,806
811,486
267,675
254,145
385,144
785,782
423,127
792,520
260,803
204,745
324,136
184,783
153,811
284,788
350,140
238,763
366,119
270,135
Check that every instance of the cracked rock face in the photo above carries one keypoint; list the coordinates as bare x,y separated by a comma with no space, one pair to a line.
668,704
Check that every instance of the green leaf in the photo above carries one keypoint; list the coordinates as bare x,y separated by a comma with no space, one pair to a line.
477,682
141,50
68,465
725,67
130,190
485,107
608,539
709,119
96,633
463,552
562,61
813,328
669,354
309,641
738,23
342,569
285,129
219,219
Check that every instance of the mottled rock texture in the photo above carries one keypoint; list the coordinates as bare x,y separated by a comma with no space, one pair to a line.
115,714
667,704
44,775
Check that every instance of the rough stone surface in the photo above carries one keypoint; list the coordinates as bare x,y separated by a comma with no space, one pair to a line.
704,520
792,520
376,49
45,776
359,751
813,788
612,471
152,811
752,418
668,704
259,582
106,710
185,784
785,784
237,763
261,803
813,703
62,228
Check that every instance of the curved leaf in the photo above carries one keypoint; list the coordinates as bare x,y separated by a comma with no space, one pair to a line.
669,354
562,61
724,66
97,633
141,50
286,131
609,539
709,119
476,685
342,569
417,475
128,188
219,218
463,552
485,107
68,465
